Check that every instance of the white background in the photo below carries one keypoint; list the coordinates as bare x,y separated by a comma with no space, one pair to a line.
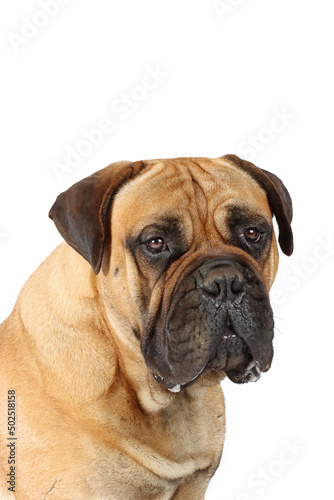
227,73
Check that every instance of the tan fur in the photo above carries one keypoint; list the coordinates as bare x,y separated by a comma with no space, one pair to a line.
92,423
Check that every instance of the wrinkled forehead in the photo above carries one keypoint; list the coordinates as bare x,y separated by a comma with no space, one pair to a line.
181,187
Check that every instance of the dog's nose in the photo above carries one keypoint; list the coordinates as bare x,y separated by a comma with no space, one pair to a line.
222,277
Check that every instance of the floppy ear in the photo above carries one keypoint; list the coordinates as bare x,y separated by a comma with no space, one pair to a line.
278,197
81,212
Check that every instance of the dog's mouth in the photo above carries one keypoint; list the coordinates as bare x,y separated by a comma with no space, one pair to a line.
171,386
219,320
232,357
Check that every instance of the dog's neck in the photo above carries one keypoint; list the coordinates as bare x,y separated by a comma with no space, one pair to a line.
85,332
72,354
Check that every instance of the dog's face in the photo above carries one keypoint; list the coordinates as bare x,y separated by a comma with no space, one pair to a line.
189,255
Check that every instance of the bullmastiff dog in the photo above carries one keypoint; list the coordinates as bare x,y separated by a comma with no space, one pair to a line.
113,355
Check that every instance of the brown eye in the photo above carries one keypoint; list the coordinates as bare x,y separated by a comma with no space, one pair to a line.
157,245
252,235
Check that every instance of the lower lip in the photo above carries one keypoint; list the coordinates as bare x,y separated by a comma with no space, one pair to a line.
229,339
175,387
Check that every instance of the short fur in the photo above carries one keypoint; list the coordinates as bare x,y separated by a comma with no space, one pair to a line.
95,417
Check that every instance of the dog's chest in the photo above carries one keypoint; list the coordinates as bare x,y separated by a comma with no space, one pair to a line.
118,476
150,458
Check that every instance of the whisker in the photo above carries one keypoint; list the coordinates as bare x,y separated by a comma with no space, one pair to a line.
280,332
282,319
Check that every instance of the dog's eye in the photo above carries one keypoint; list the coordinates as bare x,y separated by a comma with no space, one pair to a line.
252,235
156,245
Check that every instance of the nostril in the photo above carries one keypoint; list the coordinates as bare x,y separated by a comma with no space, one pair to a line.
237,284
249,275
223,281
212,285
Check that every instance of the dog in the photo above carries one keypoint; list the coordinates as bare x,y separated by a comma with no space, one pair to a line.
111,361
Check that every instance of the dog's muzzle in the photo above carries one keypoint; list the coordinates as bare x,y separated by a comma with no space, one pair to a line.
219,319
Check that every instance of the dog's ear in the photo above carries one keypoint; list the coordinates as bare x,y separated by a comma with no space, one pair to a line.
278,197
81,212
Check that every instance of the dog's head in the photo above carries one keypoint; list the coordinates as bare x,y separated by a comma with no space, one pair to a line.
186,254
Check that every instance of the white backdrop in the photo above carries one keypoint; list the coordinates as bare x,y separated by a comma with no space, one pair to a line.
87,83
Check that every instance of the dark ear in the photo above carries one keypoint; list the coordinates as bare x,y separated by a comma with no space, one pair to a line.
81,212
278,197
